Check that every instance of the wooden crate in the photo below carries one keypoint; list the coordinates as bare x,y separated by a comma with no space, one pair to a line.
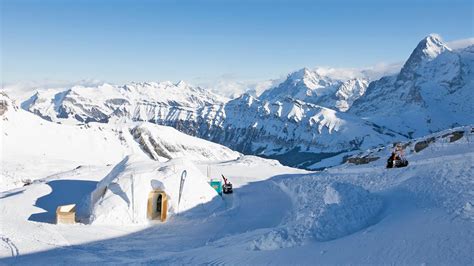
66,214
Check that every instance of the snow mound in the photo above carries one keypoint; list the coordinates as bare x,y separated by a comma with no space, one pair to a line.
341,210
121,197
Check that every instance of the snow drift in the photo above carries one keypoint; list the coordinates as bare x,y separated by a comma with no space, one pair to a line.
121,197
322,213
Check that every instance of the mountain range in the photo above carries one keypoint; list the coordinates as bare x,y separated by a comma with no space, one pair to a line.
304,121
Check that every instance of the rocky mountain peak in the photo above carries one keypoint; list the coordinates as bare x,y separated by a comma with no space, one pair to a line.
300,74
427,49
432,45
181,84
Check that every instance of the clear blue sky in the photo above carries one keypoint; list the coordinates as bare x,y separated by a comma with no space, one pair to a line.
120,41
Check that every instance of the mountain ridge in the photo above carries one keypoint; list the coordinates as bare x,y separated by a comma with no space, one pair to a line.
308,114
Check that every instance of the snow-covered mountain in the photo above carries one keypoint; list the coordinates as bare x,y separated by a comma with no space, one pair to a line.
312,115
295,132
319,88
32,147
433,91
157,102
245,124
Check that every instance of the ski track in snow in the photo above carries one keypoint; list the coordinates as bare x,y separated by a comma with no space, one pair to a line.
10,245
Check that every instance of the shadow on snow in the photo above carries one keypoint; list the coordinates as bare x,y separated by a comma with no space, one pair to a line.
257,205
63,192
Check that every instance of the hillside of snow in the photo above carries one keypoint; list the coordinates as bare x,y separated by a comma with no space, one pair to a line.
411,146
421,214
342,200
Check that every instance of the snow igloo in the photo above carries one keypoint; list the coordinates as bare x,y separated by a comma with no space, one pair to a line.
137,186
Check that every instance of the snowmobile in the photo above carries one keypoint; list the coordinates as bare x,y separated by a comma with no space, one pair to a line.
227,186
395,161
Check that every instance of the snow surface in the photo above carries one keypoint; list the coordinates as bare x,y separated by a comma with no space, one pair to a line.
421,214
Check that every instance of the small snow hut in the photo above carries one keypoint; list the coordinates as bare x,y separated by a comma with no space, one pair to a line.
66,214
139,189
157,207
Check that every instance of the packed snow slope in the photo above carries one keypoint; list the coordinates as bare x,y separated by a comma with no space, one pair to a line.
311,116
34,148
360,214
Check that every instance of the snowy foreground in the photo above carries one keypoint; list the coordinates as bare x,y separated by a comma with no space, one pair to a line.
277,215
349,214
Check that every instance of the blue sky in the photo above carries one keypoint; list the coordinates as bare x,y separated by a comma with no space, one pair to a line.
121,41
